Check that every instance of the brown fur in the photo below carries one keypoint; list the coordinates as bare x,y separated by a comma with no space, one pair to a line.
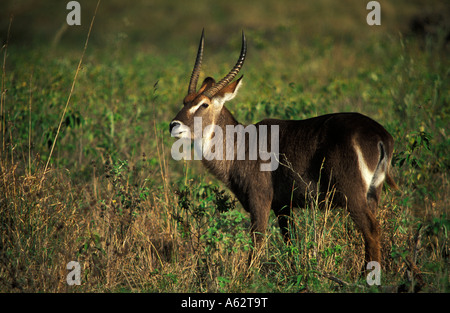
309,149
314,154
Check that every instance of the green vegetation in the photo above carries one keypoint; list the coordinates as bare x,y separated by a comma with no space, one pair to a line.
115,201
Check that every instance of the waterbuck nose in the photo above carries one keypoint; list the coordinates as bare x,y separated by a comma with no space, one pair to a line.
172,125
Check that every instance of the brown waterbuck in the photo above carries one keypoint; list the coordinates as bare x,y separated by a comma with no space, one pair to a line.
348,151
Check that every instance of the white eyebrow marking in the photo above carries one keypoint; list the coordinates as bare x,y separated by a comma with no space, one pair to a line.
195,108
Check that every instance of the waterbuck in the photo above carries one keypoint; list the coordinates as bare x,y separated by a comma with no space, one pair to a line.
347,152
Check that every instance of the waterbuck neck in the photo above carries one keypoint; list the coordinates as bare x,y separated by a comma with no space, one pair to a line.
220,165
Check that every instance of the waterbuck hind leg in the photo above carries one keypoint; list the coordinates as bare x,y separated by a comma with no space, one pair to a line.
365,220
372,239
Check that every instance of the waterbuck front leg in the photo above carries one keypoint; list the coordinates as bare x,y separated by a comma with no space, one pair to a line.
259,210
283,213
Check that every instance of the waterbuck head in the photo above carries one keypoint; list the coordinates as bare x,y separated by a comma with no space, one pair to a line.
208,101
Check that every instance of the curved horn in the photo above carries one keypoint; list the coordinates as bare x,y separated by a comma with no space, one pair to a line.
232,74
198,64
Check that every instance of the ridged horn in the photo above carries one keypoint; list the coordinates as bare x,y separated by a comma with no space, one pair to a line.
198,64
211,92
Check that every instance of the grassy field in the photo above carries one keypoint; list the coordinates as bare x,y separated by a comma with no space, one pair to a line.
114,200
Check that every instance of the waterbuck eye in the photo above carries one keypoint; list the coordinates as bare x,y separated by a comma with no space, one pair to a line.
205,105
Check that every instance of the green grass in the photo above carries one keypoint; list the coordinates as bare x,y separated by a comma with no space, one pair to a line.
136,220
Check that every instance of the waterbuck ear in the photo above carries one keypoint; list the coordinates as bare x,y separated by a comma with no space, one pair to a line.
227,93
207,83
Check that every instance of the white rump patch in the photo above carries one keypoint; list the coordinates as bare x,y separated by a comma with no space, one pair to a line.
380,173
366,173
371,178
